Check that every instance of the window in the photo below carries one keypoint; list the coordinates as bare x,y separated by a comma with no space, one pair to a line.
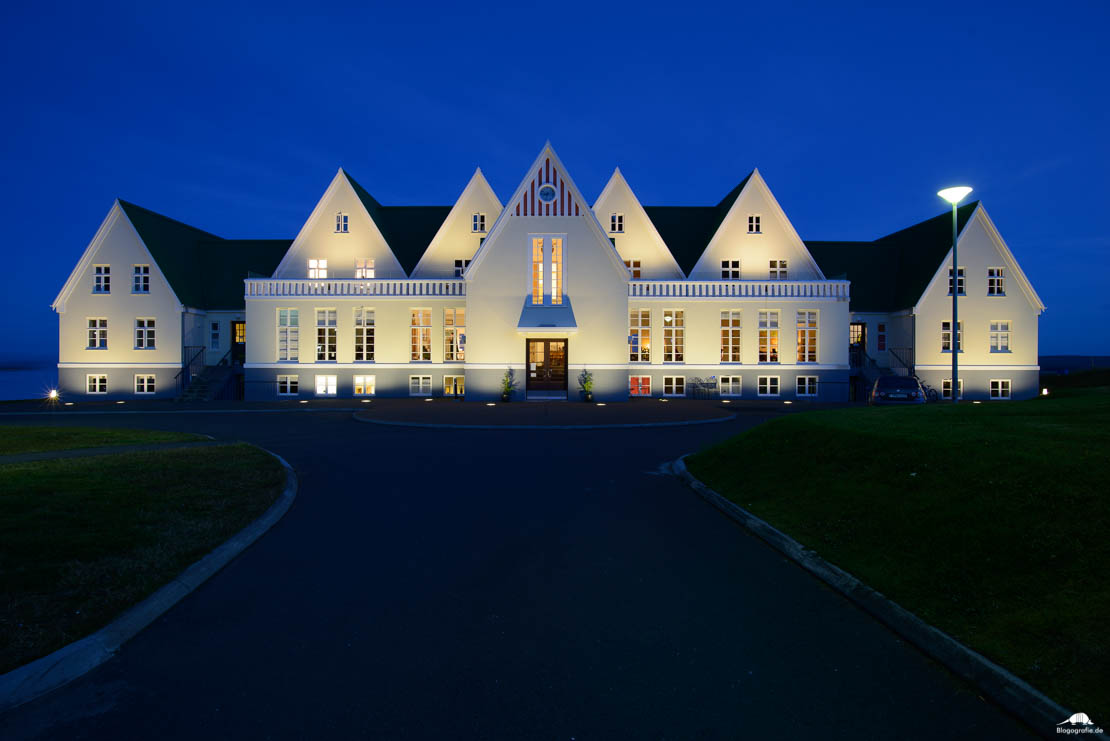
364,268
1000,388
753,224
731,385
102,279
478,222
454,334
420,385
674,336
639,335
460,267
959,281
996,282
616,222
1000,336
364,335
98,333
946,337
454,386
855,333
807,386
556,271
96,384
881,337
537,271
288,334
144,384
144,334
946,388
364,385
326,385
768,337
140,279
239,332
730,337
325,335
420,335
639,385
730,270
807,336
768,386
341,223
317,269
778,270
214,336
633,268
287,385
674,385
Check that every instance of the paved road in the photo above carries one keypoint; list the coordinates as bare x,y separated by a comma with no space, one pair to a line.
503,584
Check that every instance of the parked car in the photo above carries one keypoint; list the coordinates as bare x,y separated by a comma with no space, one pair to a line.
896,390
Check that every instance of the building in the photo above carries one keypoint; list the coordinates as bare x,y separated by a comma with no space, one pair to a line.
724,300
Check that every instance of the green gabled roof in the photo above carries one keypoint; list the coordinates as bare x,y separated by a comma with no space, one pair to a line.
237,259
892,272
171,244
408,230
687,229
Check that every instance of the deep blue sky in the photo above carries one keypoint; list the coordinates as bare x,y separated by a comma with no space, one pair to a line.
235,119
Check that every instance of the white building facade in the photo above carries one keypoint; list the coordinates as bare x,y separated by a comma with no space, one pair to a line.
371,300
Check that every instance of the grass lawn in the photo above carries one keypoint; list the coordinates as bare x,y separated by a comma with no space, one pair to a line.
991,521
17,439
82,539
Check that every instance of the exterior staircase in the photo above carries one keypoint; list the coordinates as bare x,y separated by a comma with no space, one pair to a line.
211,383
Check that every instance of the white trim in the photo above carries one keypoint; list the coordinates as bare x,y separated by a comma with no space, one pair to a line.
730,369
618,178
965,366
476,180
119,365
368,366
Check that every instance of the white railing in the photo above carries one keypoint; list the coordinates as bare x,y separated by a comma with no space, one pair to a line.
828,289
267,287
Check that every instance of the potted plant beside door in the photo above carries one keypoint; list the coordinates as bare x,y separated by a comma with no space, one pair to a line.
586,381
507,385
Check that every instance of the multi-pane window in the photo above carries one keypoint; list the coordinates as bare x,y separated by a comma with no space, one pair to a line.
616,222
960,286
327,385
478,222
807,386
364,268
317,269
1000,388
777,270
1000,336
807,336
753,224
98,333
102,279
674,336
288,385
420,334
144,384
454,385
144,334
881,339
537,271
996,281
674,385
731,385
365,385
96,384
946,388
140,279
767,386
946,337
639,335
633,268
325,335
341,222
639,385
730,270
556,270
420,385
214,336
454,334
769,337
460,267
288,338
364,335
855,333
730,337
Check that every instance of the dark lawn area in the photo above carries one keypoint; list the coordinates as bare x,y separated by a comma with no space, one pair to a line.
991,521
82,539
31,439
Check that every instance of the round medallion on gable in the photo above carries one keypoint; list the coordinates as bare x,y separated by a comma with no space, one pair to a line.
547,193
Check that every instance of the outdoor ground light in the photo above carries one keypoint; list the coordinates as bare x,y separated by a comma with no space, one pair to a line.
664,400
53,395
601,403
304,401
1044,392
954,195
69,403
121,402
726,401
365,401
490,404
788,402
427,400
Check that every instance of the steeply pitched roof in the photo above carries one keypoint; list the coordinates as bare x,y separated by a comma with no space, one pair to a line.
688,229
408,230
891,273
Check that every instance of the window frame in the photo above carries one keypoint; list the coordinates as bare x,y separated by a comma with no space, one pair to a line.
1003,385
637,386
997,336
146,337
616,222
317,268
150,384
327,335
140,278
457,388
101,386
961,280
214,335
342,223
478,223
764,382
454,335
100,330
330,384
755,223
808,336
671,386
642,332
732,351
102,280
291,334
730,270
996,281
365,334
420,385
807,387
735,386
364,385
947,394
460,267
674,336
777,270
420,335
634,269
769,336
291,382
364,268
948,332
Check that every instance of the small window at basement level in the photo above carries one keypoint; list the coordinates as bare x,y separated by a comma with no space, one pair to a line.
730,270
768,386
639,385
96,384
1000,388
144,384
287,385
454,386
807,386
731,385
616,222
326,385
946,388
364,267
478,222
420,385
674,385
633,268
753,224
365,385
341,222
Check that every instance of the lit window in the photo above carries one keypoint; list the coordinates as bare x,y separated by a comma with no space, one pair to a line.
946,388
287,385
102,279
769,337
1000,388
364,385
633,268
325,335
767,386
326,385
341,222
674,385
98,334
730,270
288,334
1000,336
364,268
731,385
556,271
420,335
214,336
946,337
460,267
753,224
855,333
420,385
807,336
639,385
364,335
239,333
454,334
730,337
639,335
996,282
144,334
777,270
959,281
317,269
454,386
537,271
96,384
144,384
140,279
478,223
807,386
616,222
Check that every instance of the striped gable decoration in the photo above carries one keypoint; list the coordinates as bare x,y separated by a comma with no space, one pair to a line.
564,204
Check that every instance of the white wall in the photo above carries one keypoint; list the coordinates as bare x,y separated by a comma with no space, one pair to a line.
456,239
639,241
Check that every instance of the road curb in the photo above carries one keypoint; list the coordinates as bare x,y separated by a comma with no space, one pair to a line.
1017,696
434,426
41,676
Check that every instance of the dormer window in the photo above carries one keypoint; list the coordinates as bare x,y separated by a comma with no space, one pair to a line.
460,267
753,224
341,223
778,270
730,270
616,223
364,268
102,279
478,223
317,269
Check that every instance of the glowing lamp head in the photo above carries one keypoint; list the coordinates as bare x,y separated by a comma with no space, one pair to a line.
53,395
955,194
1044,392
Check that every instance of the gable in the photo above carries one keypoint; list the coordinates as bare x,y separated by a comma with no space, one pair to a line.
639,240
171,243
454,237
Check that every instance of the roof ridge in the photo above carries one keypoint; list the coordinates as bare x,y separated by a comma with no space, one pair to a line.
963,215
129,204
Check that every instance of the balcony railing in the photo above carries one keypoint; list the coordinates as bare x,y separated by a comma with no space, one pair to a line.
267,287
811,289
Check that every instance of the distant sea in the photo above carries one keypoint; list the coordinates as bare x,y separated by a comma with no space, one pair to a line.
27,381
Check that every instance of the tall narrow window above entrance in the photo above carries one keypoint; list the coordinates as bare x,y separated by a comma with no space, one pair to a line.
556,271
537,271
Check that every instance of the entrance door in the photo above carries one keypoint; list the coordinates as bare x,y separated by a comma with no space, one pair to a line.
857,343
238,342
547,366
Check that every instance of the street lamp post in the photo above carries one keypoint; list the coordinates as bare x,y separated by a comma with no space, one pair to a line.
954,195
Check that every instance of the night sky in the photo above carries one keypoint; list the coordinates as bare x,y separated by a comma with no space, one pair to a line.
235,120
